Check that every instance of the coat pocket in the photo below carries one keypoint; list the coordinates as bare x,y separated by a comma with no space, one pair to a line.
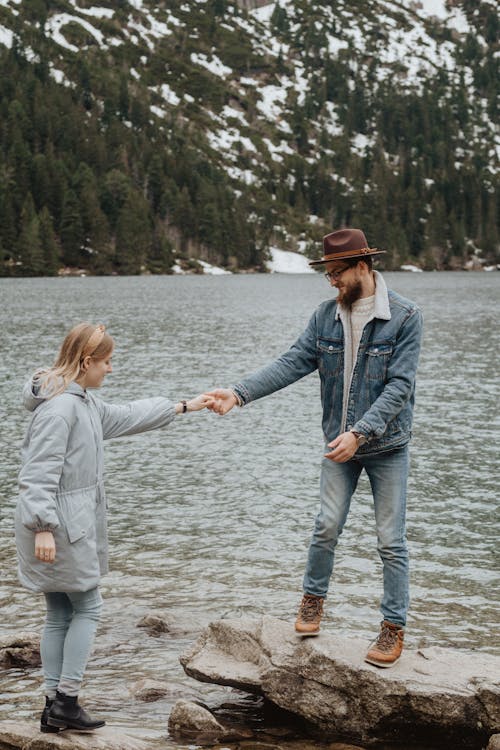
330,353
77,512
378,356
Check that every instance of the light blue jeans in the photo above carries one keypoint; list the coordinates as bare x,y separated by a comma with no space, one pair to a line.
67,638
388,474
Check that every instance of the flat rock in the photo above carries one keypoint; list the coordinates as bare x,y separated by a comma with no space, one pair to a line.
430,694
25,736
20,650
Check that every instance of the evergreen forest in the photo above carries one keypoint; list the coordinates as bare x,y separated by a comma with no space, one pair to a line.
135,136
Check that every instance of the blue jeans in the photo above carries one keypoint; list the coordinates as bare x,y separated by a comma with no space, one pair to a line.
388,474
67,638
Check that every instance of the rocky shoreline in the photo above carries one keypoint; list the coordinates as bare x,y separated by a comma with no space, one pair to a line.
319,690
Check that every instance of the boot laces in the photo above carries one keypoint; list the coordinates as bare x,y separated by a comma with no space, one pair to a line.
387,638
310,608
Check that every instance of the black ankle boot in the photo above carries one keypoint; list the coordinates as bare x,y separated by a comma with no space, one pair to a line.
66,712
44,727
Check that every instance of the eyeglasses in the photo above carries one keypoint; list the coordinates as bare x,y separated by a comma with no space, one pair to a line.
334,275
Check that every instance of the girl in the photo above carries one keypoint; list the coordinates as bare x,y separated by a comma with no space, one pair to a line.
61,531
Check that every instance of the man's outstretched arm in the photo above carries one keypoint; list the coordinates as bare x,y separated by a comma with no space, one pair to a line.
300,360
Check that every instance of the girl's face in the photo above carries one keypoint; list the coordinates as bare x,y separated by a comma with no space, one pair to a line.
95,372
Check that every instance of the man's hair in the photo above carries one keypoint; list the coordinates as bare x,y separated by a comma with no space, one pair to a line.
366,259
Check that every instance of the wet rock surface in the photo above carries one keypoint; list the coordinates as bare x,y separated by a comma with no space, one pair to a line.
443,695
154,624
149,690
26,736
21,650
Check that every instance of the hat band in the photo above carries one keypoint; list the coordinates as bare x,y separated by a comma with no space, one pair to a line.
349,253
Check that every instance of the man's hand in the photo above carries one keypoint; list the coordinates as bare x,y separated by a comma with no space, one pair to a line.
223,400
45,546
343,447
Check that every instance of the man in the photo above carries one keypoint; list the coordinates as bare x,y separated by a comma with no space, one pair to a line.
365,344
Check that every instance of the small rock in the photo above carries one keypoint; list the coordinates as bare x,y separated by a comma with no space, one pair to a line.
188,718
154,624
148,690
21,650
494,743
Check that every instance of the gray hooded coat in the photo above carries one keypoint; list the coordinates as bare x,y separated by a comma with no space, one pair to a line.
61,482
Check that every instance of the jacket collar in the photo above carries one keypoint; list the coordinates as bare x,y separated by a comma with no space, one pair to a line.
382,309
76,390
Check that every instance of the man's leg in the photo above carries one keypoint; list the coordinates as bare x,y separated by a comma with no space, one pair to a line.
388,474
337,484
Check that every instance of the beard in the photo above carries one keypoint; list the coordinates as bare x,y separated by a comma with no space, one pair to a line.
349,294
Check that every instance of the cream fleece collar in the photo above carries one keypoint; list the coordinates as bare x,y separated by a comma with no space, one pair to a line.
382,309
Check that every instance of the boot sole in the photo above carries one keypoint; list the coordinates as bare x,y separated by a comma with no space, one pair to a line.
75,727
50,730
382,664
307,635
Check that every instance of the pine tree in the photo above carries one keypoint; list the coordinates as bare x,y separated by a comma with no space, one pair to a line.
133,235
50,249
29,246
72,232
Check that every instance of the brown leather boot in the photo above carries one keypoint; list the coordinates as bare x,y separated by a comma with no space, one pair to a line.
309,615
386,650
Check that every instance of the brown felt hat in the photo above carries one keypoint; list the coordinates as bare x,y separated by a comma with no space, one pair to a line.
343,245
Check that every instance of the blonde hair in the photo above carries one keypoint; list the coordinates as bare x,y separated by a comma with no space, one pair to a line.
84,340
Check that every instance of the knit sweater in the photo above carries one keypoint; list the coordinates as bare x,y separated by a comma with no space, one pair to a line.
354,321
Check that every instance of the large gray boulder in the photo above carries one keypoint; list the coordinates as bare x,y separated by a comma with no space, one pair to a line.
430,694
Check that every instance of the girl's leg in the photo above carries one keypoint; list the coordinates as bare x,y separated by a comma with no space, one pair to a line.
57,622
87,606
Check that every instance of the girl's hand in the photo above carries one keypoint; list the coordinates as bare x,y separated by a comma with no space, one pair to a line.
200,402
45,546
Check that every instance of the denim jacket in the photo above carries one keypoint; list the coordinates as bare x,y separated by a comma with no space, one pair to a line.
382,388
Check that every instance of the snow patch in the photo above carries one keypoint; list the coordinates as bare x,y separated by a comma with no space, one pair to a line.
213,270
214,65
96,12
411,267
6,37
284,261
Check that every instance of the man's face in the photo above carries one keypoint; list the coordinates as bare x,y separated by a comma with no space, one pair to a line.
347,279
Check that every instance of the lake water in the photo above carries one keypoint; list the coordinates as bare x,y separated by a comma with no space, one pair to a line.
212,517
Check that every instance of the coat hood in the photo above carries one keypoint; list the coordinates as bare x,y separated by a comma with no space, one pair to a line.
34,393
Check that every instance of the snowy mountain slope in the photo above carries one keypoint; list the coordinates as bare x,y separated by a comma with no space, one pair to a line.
311,105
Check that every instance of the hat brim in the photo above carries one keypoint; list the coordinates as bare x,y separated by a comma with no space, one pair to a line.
346,256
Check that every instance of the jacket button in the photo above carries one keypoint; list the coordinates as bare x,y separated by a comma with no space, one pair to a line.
375,350
330,348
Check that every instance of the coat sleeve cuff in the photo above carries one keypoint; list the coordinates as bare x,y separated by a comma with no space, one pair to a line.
241,394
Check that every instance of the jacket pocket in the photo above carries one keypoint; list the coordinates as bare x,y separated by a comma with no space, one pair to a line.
77,512
377,360
330,353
